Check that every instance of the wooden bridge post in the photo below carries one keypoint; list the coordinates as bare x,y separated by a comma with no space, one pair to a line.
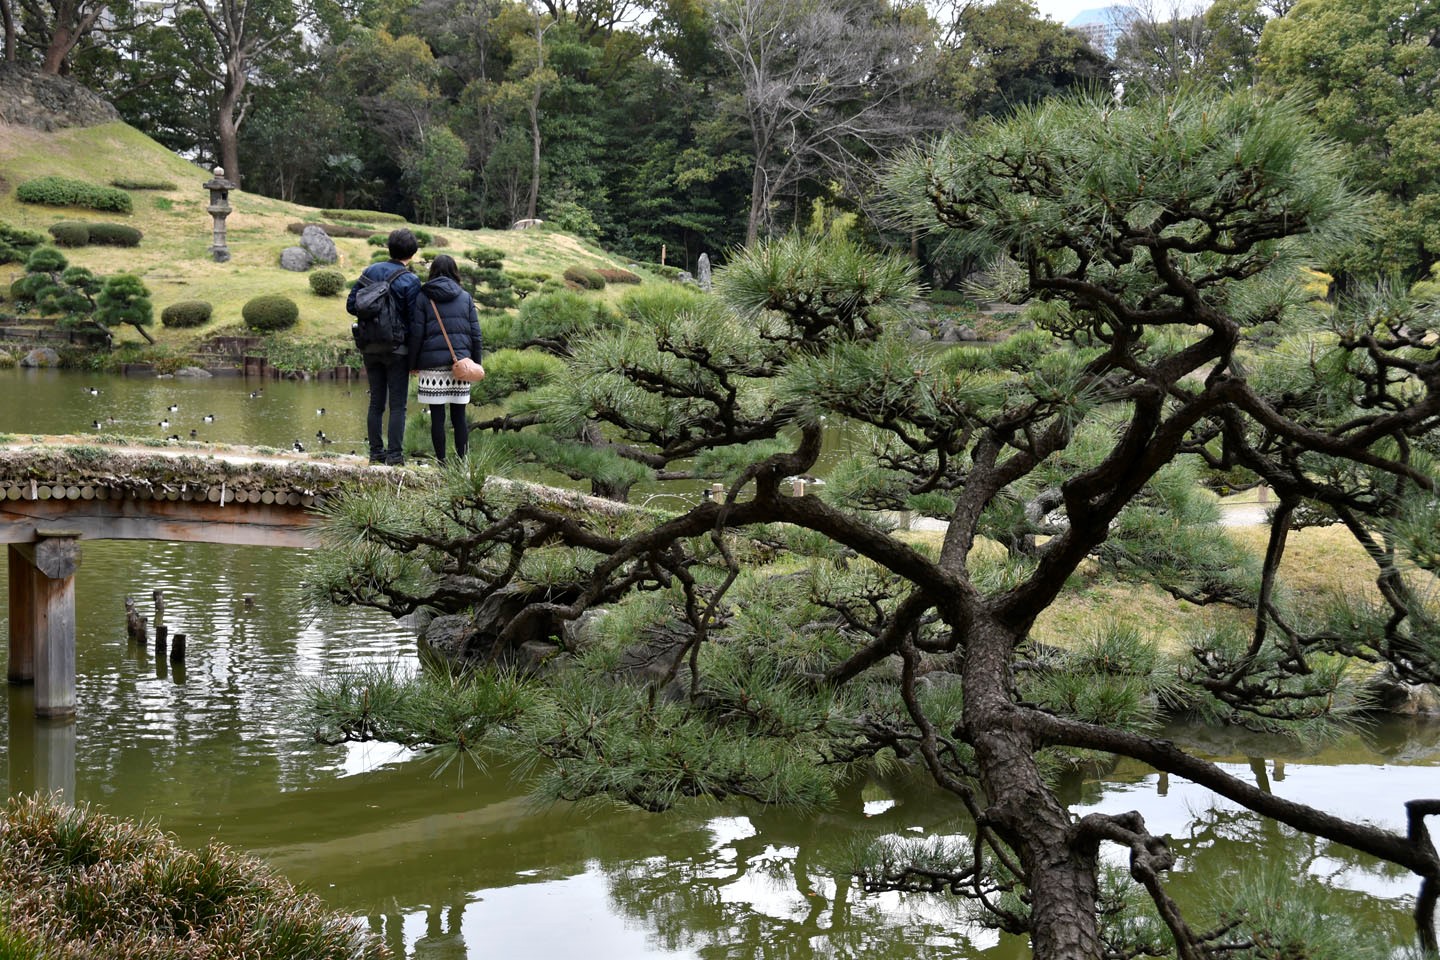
22,618
46,602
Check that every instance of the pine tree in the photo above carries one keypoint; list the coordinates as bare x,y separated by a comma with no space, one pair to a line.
769,645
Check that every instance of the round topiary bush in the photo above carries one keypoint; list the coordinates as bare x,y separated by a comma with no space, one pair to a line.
327,283
70,233
114,235
270,312
186,313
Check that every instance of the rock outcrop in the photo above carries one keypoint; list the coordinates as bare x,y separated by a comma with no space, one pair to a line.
30,98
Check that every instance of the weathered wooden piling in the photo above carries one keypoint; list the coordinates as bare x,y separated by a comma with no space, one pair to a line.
162,633
134,623
177,649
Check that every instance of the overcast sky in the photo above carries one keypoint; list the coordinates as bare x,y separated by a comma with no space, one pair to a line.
1065,10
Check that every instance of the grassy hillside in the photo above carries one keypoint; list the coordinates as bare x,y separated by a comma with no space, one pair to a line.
173,258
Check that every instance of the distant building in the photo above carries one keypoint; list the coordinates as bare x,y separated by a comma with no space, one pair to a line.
1102,27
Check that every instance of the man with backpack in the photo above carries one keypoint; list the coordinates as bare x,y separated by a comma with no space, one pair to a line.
386,303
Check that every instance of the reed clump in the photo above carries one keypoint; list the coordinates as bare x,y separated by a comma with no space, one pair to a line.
80,885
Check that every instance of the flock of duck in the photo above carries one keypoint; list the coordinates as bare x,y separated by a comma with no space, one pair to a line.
165,424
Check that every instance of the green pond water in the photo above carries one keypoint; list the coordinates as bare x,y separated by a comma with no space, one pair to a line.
458,863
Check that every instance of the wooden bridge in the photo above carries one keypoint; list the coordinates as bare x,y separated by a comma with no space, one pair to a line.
57,492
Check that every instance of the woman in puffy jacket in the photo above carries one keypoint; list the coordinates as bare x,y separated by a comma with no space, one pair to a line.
445,302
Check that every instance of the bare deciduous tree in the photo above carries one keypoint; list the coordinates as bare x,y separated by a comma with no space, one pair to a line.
820,85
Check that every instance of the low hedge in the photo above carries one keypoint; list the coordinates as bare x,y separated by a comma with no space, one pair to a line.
70,233
364,216
270,312
77,233
617,276
185,314
139,183
585,277
327,283
331,229
68,192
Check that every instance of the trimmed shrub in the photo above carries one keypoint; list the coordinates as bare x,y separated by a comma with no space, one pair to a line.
617,276
70,233
439,241
68,192
585,278
123,298
378,239
270,312
186,314
327,283
16,245
423,237
665,270
114,235
485,257
46,260
138,183
364,216
332,229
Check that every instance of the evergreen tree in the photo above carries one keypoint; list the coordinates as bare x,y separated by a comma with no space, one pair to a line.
1162,246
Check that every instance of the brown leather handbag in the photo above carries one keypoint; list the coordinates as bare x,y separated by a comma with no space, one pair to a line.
462,368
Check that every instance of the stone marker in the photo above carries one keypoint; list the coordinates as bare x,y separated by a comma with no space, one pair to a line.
702,272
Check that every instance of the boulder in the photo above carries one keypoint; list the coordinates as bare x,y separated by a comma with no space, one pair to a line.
296,258
579,633
448,637
40,357
315,240
193,373
1392,695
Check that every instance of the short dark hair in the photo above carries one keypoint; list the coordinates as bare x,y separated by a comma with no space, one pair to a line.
444,266
402,244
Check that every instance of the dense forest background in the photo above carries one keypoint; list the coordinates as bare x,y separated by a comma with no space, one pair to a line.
699,125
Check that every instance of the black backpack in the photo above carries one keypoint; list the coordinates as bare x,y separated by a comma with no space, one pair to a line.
379,320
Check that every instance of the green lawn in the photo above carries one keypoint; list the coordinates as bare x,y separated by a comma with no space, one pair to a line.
173,258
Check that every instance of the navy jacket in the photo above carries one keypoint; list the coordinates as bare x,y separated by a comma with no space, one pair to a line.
405,288
457,309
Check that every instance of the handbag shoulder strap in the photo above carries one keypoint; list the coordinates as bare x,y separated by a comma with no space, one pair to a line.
444,333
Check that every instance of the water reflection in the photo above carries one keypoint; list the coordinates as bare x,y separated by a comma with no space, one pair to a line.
460,864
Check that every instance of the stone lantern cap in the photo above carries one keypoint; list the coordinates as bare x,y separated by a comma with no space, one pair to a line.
219,182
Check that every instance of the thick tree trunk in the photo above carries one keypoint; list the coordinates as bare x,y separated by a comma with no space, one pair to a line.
62,41
1062,877
228,128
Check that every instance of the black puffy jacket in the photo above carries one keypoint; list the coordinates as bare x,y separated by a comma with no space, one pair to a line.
457,309
406,289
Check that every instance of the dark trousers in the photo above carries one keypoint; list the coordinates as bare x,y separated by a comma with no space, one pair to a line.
389,382
437,428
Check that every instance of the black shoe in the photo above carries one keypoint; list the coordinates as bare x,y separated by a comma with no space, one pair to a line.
394,461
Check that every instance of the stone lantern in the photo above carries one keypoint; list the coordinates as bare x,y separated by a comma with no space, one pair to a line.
219,208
